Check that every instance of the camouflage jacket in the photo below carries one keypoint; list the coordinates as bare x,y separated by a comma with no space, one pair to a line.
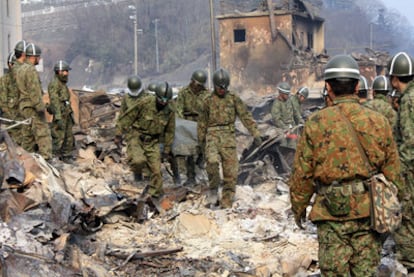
188,103
327,153
221,112
381,105
59,98
282,114
29,87
297,110
9,95
405,126
141,116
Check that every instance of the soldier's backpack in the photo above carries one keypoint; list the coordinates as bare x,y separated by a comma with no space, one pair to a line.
386,212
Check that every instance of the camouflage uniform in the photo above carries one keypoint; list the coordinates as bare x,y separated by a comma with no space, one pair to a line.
297,110
31,106
216,133
188,107
9,96
283,117
381,105
145,127
62,124
326,155
404,236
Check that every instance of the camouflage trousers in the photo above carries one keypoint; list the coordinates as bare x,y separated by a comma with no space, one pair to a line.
221,149
348,248
146,154
404,236
36,137
62,138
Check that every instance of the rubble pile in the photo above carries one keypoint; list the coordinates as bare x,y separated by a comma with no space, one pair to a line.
83,219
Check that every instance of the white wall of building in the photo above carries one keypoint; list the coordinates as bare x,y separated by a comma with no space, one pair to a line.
10,28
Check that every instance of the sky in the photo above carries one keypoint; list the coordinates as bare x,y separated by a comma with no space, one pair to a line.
405,7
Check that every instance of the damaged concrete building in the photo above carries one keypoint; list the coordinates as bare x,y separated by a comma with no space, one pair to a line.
261,48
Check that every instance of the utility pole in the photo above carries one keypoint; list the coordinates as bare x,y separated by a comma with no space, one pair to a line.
156,45
213,36
134,18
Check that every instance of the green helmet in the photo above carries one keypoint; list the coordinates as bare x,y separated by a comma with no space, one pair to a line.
20,46
11,59
363,83
61,65
33,50
304,91
284,88
341,66
401,65
134,85
164,92
381,84
200,77
152,86
221,78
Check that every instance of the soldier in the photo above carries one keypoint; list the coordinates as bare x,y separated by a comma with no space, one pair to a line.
8,94
401,72
283,115
146,123
61,128
326,163
129,106
363,90
380,88
216,134
19,57
35,137
297,101
188,107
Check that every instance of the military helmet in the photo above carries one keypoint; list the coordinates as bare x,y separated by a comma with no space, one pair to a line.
20,46
61,65
304,91
284,88
11,59
381,83
164,91
341,66
401,65
33,50
221,78
363,83
152,86
200,77
134,82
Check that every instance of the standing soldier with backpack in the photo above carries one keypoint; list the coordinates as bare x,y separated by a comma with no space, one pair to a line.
328,163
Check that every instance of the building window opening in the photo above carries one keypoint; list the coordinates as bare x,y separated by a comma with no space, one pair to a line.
239,35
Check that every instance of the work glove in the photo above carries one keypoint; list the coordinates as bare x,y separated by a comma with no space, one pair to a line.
51,109
299,219
291,136
257,142
59,124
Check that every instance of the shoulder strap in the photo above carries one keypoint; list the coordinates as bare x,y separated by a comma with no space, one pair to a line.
358,143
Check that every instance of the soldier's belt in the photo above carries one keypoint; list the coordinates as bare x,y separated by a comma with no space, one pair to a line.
221,127
355,187
148,138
